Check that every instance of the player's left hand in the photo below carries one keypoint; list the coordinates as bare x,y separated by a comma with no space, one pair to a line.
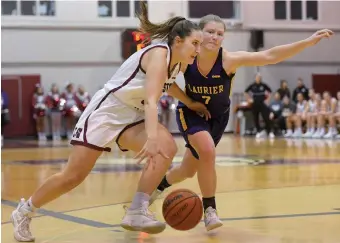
320,34
199,108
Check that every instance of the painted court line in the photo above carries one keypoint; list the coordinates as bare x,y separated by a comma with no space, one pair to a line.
64,216
97,224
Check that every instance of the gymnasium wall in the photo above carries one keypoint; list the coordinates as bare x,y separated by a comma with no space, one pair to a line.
78,46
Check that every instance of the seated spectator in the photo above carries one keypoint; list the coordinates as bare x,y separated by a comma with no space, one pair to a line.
298,118
301,88
284,90
311,113
337,112
5,118
328,108
275,115
288,111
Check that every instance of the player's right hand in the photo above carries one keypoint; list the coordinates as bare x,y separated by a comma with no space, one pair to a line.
150,149
317,36
200,108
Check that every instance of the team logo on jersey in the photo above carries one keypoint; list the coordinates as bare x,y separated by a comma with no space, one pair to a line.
216,76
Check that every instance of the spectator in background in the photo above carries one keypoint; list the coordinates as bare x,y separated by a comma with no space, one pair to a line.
298,118
311,113
165,102
288,110
261,93
5,119
276,107
71,111
328,108
53,101
301,88
83,98
39,111
337,112
284,90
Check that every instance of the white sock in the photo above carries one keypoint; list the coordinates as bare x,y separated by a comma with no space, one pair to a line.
139,199
30,205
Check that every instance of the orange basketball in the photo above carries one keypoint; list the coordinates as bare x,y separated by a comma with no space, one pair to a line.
182,209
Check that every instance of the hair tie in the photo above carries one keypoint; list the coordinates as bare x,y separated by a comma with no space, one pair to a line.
180,19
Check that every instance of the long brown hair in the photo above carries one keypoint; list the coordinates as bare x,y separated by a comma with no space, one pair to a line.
166,31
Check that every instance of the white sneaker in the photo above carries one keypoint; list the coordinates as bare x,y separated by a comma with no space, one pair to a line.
328,135
156,193
307,134
261,134
142,219
288,134
211,219
56,138
21,219
317,134
297,134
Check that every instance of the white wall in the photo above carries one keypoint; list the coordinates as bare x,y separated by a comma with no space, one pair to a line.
77,46
71,46
260,14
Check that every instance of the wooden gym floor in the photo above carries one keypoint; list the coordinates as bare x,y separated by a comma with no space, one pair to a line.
285,191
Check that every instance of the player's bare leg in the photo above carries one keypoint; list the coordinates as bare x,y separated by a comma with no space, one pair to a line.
138,217
79,165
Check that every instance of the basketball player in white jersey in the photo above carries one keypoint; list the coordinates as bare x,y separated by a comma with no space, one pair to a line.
298,118
116,114
328,106
311,113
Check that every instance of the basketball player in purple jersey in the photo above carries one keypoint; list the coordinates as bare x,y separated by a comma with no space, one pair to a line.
125,112
209,80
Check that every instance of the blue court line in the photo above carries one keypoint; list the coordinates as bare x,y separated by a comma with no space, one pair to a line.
63,216
14,204
104,225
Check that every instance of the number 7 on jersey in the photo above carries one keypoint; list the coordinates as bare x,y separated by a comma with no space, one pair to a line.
207,99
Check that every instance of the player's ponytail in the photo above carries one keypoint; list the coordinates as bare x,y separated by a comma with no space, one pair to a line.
166,31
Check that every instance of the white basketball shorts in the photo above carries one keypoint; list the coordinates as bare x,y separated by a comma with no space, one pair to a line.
103,121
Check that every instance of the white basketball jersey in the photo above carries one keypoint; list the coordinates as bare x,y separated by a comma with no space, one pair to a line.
312,106
128,83
300,107
329,105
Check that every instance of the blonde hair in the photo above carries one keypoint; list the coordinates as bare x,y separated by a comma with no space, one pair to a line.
211,18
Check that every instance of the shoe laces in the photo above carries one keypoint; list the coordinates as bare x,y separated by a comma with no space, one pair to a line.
210,213
24,226
144,210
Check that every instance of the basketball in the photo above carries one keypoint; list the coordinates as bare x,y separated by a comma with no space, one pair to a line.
182,209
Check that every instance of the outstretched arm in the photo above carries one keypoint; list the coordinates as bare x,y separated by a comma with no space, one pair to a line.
276,54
